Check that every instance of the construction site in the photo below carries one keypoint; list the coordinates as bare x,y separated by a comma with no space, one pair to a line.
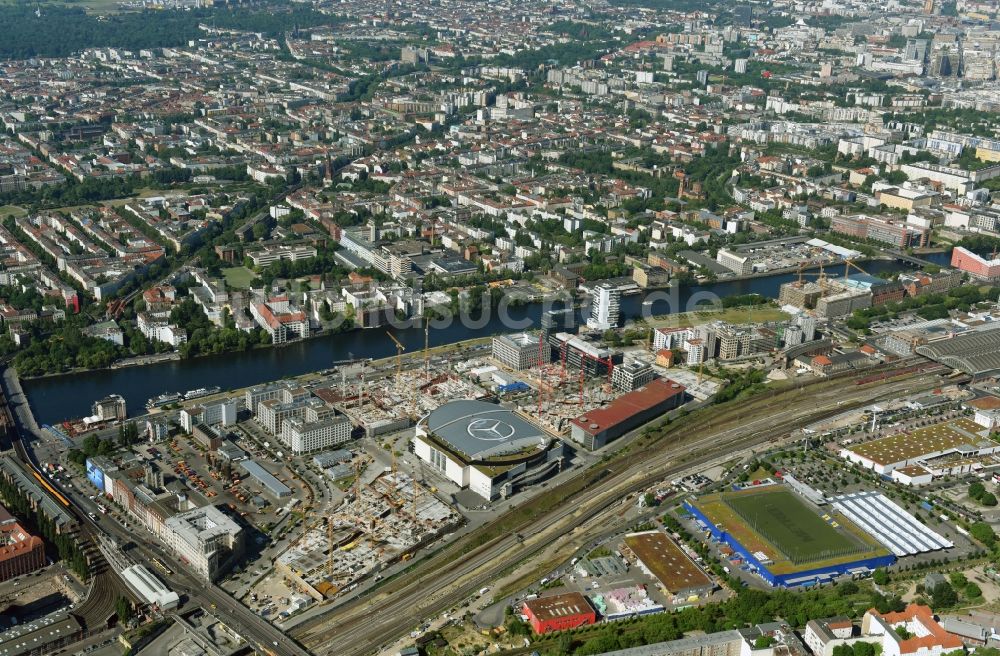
830,297
561,395
567,375
383,521
379,408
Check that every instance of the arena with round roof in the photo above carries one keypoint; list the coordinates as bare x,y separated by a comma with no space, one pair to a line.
481,431
483,445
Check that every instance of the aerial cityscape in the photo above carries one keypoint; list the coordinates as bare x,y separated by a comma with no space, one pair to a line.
454,328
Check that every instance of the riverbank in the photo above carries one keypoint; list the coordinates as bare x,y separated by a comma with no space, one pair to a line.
757,314
417,323
56,398
808,267
313,376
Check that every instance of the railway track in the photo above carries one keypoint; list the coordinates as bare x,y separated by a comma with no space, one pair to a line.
105,588
444,580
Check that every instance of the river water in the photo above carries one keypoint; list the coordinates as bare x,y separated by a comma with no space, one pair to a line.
58,398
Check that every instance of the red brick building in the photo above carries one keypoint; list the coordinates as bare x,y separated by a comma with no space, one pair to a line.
20,551
975,266
559,612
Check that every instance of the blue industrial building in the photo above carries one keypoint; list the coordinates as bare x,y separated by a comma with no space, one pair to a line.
801,578
517,386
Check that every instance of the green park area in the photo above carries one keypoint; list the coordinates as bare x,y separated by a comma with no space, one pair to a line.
238,277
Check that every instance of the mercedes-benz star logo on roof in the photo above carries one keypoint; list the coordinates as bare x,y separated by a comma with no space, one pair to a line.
490,430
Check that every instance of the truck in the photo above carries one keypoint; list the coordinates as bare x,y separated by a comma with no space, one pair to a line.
483,591
574,561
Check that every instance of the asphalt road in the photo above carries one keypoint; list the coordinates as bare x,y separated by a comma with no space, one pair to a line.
443,582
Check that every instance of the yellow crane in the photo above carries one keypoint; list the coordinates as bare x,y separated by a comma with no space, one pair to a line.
416,495
329,542
427,351
847,268
399,355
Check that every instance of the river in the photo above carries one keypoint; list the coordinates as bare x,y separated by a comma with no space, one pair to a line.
57,398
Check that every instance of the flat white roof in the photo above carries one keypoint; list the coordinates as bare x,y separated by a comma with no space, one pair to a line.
888,523
150,588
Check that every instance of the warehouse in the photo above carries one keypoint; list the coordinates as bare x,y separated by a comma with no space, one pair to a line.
46,635
891,525
962,437
486,447
661,558
559,612
596,428
265,478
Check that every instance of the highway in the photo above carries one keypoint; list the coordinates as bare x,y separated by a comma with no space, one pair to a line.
441,582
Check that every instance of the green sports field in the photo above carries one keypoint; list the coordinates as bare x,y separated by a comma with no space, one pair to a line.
794,528
791,534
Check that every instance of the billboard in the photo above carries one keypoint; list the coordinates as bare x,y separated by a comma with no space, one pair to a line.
95,475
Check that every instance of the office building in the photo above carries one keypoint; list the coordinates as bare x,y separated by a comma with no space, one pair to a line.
206,539
976,266
631,375
604,311
110,408
220,413
916,50
303,436
738,263
885,230
520,351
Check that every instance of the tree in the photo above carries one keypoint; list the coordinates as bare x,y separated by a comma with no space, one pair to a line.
983,532
843,650
123,609
880,576
944,596
260,230
848,588
896,177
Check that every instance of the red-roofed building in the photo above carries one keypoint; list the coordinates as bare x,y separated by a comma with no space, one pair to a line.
596,428
559,612
20,551
821,364
925,637
281,319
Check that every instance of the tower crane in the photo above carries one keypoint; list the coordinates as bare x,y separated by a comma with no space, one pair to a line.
399,355
427,351
848,263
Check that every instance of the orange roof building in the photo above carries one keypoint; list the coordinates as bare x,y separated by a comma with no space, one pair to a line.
20,551
924,636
